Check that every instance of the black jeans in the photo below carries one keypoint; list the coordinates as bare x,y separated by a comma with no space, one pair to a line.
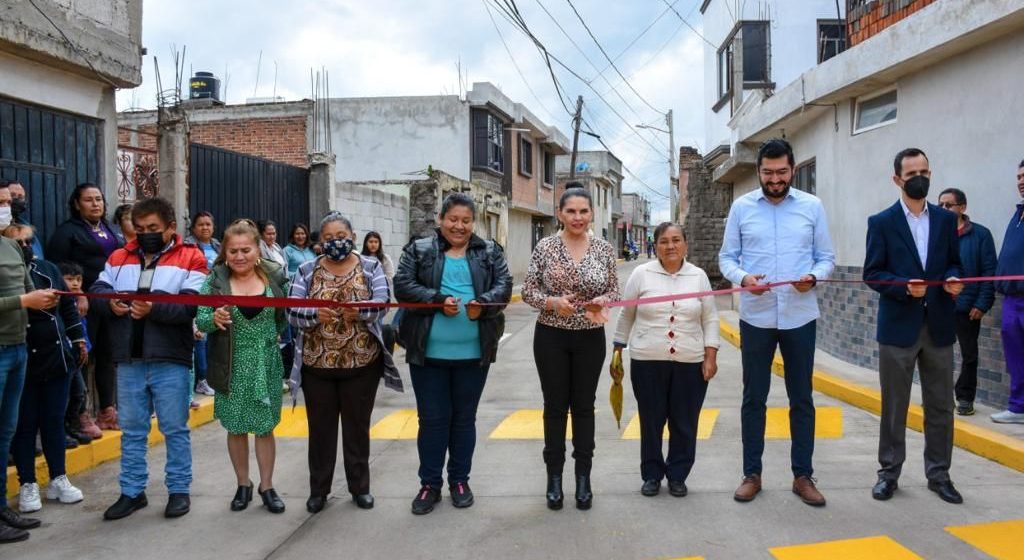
967,332
41,412
758,351
569,364
447,396
104,369
670,392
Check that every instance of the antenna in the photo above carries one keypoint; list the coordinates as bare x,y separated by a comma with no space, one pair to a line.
259,64
275,81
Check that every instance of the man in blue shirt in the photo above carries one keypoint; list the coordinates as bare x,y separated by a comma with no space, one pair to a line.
1011,263
776,234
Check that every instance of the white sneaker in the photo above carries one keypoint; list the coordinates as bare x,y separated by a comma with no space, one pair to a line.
203,388
28,498
61,489
1008,417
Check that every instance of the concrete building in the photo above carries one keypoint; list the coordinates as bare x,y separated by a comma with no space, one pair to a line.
600,172
636,210
942,75
58,119
487,139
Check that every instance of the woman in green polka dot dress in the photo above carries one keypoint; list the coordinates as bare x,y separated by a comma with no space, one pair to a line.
244,363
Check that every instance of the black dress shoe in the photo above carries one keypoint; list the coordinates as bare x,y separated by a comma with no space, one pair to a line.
677,488
242,498
10,534
884,489
15,520
272,501
315,504
651,487
554,494
125,506
177,505
946,491
584,497
363,501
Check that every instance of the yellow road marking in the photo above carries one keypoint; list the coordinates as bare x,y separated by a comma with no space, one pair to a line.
1001,540
293,423
706,425
828,423
527,423
400,424
881,547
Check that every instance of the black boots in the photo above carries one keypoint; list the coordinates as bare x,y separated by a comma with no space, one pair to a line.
554,493
584,497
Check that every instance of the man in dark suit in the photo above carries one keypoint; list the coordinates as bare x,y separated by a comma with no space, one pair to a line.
910,242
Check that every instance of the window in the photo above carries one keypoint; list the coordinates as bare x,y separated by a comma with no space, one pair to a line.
549,169
875,111
525,155
756,37
805,177
488,141
831,38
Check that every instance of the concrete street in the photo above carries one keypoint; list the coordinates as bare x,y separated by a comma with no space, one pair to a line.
509,519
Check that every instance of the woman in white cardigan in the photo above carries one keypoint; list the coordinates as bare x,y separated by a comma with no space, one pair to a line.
673,349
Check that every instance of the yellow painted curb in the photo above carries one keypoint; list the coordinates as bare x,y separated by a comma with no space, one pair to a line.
107,448
516,298
986,443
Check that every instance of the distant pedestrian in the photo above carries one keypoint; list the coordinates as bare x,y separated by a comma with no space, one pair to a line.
912,241
201,234
673,351
373,246
122,224
20,213
245,366
571,279
450,350
269,249
339,359
298,250
1011,263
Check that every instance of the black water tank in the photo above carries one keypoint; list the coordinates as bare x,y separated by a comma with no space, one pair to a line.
204,85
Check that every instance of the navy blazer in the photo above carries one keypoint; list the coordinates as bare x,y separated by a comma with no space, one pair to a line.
892,255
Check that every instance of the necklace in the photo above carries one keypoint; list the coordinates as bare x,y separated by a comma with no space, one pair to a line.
98,230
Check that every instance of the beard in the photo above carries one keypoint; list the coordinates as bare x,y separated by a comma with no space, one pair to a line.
773,195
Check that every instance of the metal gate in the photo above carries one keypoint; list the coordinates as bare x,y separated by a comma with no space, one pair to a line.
231,185
49,153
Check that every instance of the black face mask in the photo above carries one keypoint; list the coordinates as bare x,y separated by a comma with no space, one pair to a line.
19,208
151,242
27,253
917,187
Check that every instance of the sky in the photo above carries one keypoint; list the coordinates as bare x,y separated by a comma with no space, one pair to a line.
415,47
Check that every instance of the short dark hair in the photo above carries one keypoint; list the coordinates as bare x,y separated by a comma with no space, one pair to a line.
958,195
198,215
70,269
4,183
458,199
1021,164
122,211
897,164
572,191
296,227
77,193
262,225
664,227
775,148
156,205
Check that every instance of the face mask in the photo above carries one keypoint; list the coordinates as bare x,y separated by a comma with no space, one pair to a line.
151,242
5,216
338,249
27,253
19,207
917,187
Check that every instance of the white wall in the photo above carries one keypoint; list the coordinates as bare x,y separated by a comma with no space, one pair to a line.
517,251
382,138
794,44
372,209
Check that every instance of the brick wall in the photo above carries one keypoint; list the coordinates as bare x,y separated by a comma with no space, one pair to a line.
848,321
866,18
707,205
281,139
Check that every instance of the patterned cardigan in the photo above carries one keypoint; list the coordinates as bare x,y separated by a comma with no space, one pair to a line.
304,318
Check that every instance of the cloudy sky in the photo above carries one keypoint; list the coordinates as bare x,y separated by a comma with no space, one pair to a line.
412,47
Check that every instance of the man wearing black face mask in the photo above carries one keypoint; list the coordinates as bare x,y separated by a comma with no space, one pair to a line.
152,346
910,242
20,214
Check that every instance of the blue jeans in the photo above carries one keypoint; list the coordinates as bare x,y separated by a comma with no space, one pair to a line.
13,359
758,351
199,359
43,403
163,387
447,395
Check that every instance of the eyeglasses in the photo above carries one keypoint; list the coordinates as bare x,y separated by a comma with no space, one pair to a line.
949,205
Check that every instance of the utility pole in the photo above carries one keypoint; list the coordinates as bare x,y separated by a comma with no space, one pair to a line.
575,136
673,183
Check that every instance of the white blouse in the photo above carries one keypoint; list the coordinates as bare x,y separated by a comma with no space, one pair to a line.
676,331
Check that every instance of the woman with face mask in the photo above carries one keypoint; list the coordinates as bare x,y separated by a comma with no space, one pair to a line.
340,358
244,366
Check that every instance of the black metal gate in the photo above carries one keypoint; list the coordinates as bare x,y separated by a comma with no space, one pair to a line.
48,153
231,185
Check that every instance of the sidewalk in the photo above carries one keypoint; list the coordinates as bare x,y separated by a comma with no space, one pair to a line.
857,386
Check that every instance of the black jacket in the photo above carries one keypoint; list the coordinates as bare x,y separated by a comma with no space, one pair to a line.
51,332
73,242
978,258
418,280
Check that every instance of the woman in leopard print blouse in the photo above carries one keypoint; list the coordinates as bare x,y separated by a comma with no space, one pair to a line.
571,279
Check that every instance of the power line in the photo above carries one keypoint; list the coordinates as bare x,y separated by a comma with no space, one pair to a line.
73,46
640,36
624,167
692,28
610,61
